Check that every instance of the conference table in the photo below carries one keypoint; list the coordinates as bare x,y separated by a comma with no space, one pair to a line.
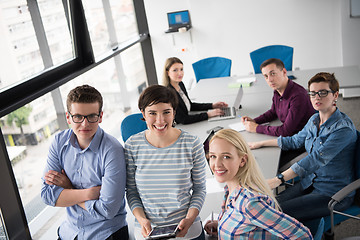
348,77
256,100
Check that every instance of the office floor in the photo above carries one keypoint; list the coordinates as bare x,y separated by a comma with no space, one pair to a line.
350,106
349,228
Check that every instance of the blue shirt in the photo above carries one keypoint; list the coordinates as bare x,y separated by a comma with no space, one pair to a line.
101,163
329,165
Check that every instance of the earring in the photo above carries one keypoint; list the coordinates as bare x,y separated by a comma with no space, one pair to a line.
174,123
334,103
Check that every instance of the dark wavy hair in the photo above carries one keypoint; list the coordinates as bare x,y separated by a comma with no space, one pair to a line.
325,77
157,94
279,64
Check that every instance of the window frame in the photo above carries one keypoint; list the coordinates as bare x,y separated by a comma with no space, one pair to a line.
14,97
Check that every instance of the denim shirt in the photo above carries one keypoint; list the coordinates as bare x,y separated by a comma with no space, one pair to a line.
329,165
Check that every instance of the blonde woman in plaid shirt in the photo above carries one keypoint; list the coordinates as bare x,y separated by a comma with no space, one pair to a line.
249,209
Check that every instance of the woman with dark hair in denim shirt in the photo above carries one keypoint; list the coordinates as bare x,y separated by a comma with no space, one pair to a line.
329,138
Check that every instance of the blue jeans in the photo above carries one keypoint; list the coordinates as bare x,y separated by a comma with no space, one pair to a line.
305,205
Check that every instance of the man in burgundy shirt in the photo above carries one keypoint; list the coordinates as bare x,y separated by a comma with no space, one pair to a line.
291,103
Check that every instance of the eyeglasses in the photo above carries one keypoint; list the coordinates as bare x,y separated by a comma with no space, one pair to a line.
321,93
91,118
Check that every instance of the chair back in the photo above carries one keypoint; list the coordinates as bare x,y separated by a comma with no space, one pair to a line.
357,167
320,230
212,67
282,52
131,125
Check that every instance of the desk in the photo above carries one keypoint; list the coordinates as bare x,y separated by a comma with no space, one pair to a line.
256,100
348,77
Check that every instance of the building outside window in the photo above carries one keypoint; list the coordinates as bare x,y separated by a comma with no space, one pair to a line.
29,130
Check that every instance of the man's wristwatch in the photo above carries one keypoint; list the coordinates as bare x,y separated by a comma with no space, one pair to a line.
281,177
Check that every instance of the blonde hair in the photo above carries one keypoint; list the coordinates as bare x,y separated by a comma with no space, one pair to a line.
250,175
168,63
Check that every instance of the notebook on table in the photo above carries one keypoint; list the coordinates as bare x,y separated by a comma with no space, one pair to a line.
230,112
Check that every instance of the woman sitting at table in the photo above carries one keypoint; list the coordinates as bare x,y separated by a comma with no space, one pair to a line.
249,209
165,169
172,78
329,138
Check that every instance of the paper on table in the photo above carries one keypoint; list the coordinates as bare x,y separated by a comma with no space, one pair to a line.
245,82
239,126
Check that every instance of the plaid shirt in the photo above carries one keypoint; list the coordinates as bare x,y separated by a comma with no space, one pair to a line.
250,215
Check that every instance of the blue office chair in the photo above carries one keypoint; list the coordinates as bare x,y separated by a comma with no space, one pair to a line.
212,67
337,217
131,125
284,53
320,230
352,211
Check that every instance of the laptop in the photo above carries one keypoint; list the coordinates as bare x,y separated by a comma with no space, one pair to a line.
206,150
230,112
178,20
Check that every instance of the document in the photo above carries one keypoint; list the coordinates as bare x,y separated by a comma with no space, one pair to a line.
244,81
239,126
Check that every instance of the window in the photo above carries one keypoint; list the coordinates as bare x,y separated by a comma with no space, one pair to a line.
108,79
21,56
29,130
44,56
27,142
56,30
109,24
3,234
124,19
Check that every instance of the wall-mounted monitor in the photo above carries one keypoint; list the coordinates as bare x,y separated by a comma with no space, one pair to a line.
178,20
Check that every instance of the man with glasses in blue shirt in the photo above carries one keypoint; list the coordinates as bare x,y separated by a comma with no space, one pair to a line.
86,173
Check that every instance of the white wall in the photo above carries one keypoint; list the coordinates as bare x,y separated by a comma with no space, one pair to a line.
350,28
234,28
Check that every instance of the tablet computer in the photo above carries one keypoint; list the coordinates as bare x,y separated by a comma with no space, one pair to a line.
163,232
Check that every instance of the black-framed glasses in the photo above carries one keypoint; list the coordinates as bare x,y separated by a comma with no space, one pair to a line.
91,118
321,93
